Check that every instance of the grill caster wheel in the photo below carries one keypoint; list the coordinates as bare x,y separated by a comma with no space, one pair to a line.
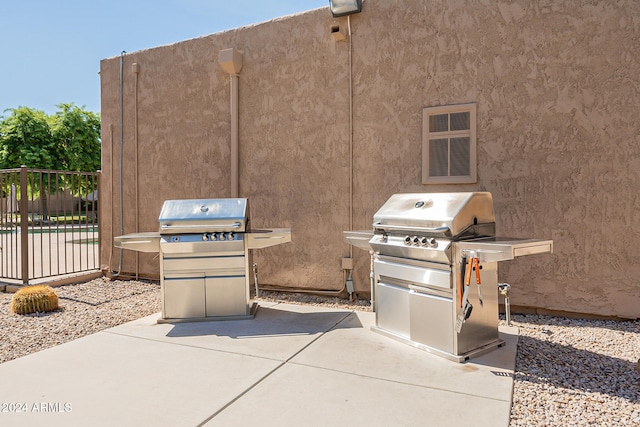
504,290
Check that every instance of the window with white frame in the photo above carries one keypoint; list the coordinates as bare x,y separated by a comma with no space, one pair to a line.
449,144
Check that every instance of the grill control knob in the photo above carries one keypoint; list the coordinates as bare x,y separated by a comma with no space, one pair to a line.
214,236
424,241
232,236
407,241
205,237
222,237
415,240
432,242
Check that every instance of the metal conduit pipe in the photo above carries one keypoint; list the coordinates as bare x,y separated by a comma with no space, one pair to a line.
112,170
347,263
231,62
348,274
135,68
321,292
121,160
350,135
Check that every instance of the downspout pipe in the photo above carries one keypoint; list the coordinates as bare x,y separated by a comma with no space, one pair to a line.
231,62
235,166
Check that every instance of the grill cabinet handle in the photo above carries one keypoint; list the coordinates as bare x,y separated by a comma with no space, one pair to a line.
200,226
442,229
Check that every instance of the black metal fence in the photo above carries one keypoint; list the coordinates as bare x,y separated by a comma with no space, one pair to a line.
48,223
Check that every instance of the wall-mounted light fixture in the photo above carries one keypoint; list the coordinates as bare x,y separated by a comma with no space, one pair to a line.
345,7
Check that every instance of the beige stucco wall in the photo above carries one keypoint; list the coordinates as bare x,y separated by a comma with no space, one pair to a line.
556,84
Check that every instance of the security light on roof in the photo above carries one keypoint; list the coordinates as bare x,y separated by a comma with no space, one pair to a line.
345,7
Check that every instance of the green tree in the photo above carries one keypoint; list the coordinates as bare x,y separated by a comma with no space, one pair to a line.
25,139
76,134
69,140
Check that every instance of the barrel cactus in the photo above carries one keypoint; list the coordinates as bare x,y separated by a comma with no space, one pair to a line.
34,299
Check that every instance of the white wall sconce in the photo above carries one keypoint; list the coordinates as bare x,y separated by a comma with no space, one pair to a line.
345,7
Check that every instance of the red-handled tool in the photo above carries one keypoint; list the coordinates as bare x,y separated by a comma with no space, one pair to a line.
467,281
476,266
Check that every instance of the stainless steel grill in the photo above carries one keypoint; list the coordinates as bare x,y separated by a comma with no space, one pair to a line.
436,278
204,247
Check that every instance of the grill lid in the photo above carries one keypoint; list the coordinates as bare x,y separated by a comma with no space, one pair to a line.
452,215
204,215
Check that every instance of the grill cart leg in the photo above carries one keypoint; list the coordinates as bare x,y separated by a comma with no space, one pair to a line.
504,290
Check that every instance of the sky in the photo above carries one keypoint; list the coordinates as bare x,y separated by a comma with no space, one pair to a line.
50,50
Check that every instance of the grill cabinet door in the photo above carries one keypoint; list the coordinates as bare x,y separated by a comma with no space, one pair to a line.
431,317
392,312
226,296
183,296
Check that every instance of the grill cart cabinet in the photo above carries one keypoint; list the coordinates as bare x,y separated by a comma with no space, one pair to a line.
435,262
204,284
204,249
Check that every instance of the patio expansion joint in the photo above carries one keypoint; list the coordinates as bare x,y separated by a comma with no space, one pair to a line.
268,374
440,389
195,346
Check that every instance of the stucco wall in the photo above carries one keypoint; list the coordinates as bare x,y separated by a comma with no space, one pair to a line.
556,84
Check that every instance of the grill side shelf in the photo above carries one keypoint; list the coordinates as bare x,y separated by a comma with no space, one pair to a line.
504,249
258,239
358,238
141,242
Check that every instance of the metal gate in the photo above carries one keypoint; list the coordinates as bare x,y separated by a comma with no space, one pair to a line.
48,223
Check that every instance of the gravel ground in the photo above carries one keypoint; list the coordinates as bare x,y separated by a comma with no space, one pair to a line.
569,372
85,309
574,372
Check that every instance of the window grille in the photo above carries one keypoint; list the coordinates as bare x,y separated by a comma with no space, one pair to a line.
449,144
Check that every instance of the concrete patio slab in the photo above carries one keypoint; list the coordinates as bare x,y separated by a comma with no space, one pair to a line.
292,365
107,379
277,332
347,349
297,395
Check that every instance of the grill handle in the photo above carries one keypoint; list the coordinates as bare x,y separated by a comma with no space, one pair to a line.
200,226
442,229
